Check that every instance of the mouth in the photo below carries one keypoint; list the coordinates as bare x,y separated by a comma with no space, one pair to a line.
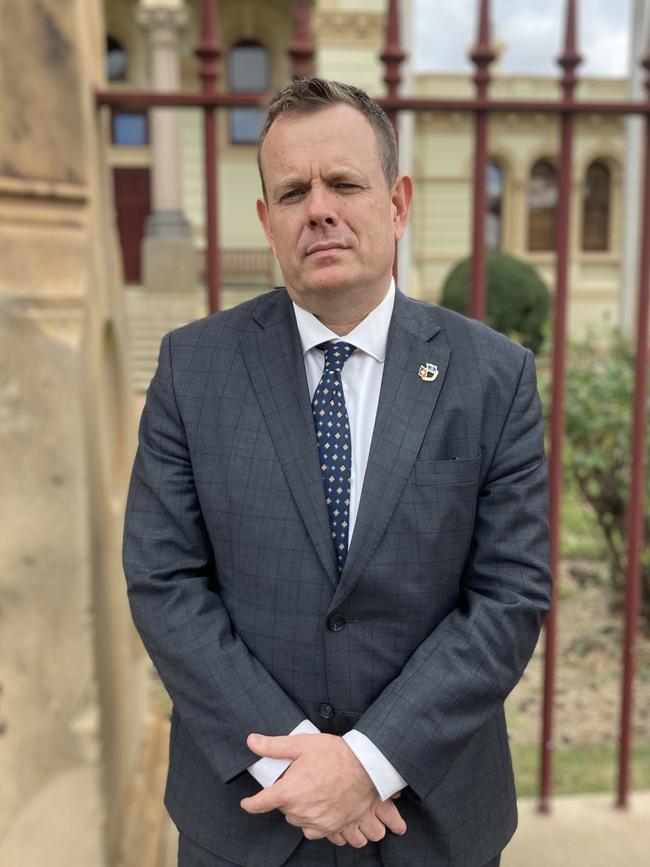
325,247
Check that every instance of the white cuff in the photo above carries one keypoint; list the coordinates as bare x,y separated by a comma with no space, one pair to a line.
386,778
266,770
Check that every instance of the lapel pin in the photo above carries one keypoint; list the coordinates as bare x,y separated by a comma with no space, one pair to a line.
428,372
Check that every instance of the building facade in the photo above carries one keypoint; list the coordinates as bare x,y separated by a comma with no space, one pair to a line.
437,149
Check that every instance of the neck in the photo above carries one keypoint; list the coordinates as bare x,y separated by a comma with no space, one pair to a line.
344,316
341,326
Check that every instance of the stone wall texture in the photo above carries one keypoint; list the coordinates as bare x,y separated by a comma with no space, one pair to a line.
72,697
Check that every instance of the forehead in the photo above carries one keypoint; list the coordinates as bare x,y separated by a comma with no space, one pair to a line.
337,134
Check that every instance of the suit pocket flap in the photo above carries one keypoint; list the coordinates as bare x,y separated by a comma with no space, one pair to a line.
458,471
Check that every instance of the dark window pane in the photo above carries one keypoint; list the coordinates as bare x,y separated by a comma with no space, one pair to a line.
494,215
542,202
130,128
246,124
249,68
596,208
116,60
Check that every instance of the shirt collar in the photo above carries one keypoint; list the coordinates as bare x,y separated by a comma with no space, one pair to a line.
370,335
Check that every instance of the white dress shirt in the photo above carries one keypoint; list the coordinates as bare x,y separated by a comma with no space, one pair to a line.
361,379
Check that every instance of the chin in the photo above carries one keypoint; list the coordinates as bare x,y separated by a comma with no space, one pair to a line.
330,279
327,288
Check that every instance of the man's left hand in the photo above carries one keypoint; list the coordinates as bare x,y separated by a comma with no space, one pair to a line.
324,789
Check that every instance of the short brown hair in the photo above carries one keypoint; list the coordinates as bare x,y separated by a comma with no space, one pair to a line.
306,95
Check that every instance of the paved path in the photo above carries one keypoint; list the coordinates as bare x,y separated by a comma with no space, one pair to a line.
582,831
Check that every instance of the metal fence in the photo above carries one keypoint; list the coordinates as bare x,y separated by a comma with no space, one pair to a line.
481,106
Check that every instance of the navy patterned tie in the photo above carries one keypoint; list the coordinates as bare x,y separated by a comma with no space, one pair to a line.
334,447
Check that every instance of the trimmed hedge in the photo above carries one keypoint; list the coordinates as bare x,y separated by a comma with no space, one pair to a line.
518,300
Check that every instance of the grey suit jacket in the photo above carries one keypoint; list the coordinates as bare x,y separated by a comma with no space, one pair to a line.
232,577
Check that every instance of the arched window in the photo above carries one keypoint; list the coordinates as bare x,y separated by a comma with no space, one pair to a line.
249,68
116,60
542,201
494,214
596,207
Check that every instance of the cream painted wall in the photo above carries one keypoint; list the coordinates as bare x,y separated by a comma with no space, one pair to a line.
360,67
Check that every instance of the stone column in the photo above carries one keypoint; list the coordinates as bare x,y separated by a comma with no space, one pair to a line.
169,257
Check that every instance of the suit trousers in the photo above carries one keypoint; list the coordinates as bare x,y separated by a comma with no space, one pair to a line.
310,853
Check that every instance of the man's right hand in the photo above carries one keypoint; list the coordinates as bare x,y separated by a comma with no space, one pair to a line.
381,817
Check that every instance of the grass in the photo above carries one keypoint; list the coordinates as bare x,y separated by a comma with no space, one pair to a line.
582,538
579,770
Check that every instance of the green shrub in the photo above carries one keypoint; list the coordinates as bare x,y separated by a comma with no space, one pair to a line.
518,300
599,395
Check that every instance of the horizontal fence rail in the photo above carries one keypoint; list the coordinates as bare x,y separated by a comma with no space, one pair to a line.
241,99
482,106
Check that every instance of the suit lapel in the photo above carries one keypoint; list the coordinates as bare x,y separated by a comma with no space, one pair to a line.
406,404
273,356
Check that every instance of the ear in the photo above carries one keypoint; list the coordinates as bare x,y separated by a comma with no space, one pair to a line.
263,216
401,198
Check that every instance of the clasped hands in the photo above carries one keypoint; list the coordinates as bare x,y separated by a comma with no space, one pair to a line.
325,791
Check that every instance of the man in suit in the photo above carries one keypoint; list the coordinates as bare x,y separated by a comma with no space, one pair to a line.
336,535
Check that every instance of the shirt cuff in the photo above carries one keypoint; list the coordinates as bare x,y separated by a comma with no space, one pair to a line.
386,778
266,770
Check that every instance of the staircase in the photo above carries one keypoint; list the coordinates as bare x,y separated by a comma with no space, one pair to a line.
149,316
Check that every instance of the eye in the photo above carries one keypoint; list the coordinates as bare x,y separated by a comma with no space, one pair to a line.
291,194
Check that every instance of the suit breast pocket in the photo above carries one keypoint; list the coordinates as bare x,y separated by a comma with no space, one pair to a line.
456,471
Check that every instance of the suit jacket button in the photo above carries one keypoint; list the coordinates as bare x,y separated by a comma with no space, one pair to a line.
326,711
336,623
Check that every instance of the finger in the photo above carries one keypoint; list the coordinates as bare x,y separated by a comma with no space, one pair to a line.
372,828
387,812
338,839
287,747
264,801
354,836
311,834
292,819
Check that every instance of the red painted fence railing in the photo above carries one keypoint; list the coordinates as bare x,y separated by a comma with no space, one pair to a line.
301,52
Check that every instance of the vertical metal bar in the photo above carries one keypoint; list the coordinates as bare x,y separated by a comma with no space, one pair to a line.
569,60
635,514
209,51
482,56
301,47
392,57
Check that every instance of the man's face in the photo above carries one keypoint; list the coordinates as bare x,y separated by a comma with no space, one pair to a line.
330,218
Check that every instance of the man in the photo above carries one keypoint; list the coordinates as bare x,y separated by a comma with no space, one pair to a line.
336,537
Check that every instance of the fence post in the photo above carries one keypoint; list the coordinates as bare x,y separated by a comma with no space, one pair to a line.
209,51
569,60
482,56
392,57
301,47
635,515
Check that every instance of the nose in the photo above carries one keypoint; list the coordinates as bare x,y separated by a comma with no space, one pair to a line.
321,208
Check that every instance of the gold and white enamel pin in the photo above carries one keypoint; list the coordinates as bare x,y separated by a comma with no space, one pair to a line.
428,372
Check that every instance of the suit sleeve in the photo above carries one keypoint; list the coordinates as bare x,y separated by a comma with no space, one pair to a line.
461,674
219,689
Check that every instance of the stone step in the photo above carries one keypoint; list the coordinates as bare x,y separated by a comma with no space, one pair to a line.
149,316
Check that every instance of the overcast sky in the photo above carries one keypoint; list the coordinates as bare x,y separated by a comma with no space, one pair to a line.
532,31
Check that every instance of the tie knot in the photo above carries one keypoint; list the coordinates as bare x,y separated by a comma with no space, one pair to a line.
337,353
